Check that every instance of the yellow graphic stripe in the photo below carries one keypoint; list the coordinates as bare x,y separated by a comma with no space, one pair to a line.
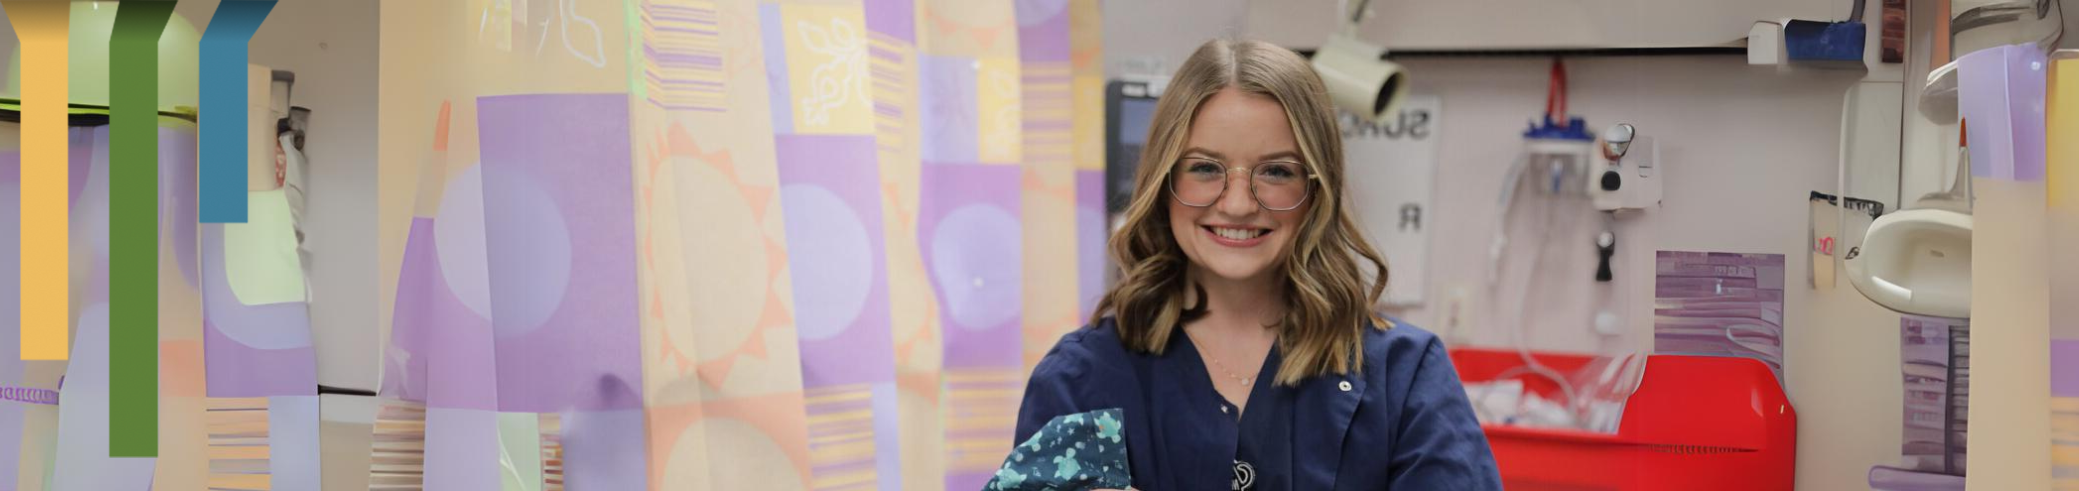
2064,443
2061,117
893,65
841,436
982,414
41,26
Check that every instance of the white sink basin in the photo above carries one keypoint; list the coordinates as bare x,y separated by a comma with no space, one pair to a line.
1917,262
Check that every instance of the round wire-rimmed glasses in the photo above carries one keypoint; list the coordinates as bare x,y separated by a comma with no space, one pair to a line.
1276,185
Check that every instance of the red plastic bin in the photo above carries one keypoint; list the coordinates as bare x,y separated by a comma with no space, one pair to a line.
1695,423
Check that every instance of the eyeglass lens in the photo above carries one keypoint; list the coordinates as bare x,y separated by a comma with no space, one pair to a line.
1277,185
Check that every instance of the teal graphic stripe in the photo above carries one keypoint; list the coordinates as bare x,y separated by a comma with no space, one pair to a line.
223,98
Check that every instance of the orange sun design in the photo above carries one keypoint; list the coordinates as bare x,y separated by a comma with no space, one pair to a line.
677,142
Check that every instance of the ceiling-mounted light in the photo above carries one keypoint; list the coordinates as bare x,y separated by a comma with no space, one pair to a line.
1359,78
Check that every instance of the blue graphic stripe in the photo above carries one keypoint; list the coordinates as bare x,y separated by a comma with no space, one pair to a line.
223,118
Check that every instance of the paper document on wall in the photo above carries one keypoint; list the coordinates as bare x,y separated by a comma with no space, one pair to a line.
1824,234
1720,304
1392,171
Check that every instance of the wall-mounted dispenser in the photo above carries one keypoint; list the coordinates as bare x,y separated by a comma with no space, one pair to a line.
1623,173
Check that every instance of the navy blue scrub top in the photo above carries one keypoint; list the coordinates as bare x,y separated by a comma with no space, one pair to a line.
1402,422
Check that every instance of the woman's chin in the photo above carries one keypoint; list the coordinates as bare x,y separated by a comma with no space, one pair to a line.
1237,270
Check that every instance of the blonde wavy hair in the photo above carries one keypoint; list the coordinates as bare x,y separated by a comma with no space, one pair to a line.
1328,296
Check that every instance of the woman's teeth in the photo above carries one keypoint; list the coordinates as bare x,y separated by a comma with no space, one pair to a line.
1238,233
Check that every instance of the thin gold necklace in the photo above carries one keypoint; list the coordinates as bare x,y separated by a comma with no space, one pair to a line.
1245,381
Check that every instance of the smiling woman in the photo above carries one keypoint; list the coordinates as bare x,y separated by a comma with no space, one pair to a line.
1239,263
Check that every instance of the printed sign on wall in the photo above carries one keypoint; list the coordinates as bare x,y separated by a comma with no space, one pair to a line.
1392,169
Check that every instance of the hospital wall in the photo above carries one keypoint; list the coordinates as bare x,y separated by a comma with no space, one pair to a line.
331,46
1737,181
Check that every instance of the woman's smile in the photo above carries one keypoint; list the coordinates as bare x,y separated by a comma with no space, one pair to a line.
1234,236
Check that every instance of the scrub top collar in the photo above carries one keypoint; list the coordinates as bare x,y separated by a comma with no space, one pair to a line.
1319,417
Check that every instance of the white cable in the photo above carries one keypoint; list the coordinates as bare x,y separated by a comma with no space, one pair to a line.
1501,221
1530,363
1757,348
1841,172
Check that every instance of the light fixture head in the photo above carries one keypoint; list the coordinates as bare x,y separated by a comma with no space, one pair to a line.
1617,141
1359,79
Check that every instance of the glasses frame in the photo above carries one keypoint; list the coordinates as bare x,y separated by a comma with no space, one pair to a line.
1227,179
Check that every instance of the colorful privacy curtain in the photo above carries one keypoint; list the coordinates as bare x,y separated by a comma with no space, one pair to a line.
2061,118
740,244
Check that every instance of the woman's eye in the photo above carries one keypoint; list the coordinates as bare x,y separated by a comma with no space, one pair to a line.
1281,171
1203,167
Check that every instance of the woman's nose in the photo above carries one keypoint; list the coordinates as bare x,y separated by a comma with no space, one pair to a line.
1239,200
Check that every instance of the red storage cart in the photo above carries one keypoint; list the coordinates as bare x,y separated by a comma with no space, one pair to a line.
1695,423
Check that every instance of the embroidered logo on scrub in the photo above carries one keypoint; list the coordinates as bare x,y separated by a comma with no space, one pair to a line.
1074,451
1244,476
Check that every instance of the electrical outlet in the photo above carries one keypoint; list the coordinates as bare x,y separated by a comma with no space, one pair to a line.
1456,314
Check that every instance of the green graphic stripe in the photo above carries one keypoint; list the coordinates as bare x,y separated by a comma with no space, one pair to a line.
133,228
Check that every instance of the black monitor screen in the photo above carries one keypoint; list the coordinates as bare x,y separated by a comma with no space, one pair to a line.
1128,108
